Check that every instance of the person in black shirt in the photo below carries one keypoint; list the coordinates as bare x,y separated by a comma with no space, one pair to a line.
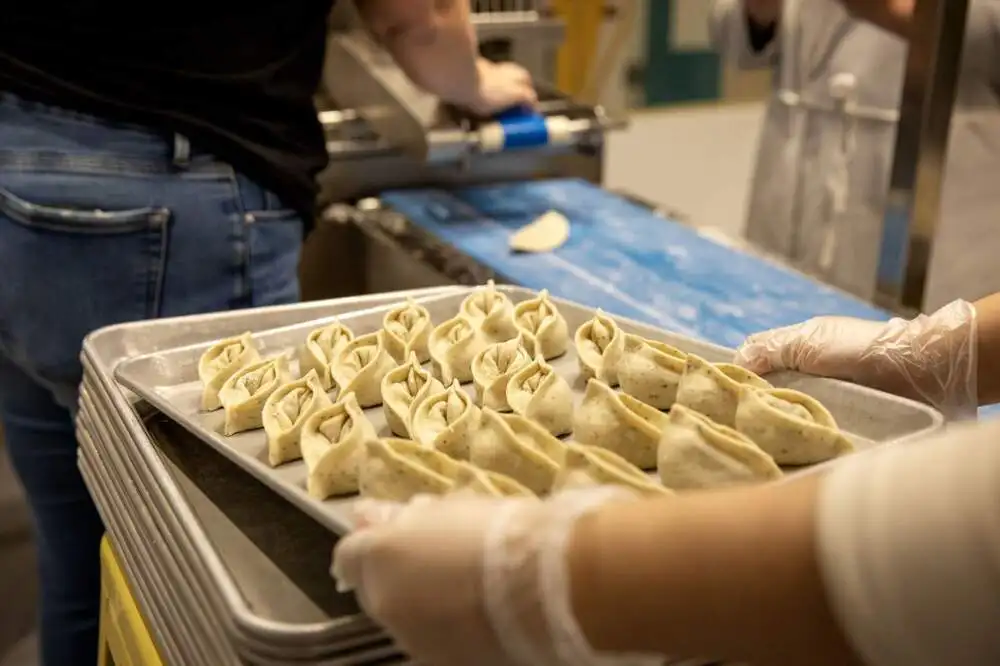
158,160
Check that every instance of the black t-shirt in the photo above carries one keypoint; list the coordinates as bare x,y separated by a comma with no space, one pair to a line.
236,77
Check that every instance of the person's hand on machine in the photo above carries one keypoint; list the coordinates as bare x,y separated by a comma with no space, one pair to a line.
501,86
932,358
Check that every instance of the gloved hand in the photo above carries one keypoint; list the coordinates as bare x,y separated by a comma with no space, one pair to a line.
931,358
501,86
472,580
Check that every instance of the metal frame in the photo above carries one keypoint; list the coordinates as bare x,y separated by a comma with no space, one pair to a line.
913,204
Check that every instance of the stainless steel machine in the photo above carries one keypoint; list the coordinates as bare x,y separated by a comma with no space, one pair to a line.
384,133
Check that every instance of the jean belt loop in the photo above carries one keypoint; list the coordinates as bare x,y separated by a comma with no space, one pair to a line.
182,151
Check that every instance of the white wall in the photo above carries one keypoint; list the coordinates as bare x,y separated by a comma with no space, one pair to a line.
695,159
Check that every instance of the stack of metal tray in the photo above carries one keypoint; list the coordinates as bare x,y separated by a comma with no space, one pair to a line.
225,571
224,567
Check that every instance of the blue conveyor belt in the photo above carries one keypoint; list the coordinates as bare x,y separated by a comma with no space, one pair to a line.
625,259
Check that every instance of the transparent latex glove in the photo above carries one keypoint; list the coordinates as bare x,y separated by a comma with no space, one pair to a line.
502,86
474,580
931,358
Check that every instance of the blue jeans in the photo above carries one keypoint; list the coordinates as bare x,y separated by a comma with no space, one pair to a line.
102,223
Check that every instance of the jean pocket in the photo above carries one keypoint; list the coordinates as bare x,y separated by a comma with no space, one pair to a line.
274,244
68,269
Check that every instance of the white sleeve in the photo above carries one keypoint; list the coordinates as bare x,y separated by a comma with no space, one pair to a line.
909,549
730,32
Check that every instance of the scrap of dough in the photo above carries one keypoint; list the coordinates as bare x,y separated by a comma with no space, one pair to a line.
545,234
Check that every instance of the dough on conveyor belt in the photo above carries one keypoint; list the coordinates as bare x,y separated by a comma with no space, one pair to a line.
547,233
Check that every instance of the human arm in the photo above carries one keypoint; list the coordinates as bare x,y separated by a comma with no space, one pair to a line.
949,359
746,31
435,44
892,558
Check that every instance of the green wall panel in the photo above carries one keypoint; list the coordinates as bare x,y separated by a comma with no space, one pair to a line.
674,76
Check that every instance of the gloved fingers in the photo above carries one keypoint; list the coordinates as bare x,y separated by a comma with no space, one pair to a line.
772,350
349,557
371,513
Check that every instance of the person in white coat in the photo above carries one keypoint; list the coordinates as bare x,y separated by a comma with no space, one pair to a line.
827,145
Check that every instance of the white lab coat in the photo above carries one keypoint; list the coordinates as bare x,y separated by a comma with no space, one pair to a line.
828,140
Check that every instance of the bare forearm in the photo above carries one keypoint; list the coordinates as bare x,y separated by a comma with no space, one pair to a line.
892,15
433,41
988,341
764,12
709,575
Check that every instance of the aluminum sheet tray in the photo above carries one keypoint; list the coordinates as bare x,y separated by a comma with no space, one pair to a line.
168,380
255,601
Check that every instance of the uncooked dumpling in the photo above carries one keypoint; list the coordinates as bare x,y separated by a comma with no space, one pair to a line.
445,421
321,348
493,369
545,234
536,392
401,389
620,423
596,466
517,447
333,447
794,428
361,366
408,330
491,314
714,390
396,470
453,346
220,362
285,411
600,345
651,371
244,394
698,453
478,482
544,328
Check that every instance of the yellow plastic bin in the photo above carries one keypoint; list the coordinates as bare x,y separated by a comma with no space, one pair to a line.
125,640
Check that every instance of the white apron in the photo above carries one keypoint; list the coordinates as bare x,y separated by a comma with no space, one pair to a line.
827,148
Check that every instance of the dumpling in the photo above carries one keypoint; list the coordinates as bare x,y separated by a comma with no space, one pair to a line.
453,346
333,447
491,314
794,428
285,411
361,366
397,469
408,330
596,466
219,363
445,421
472,481
600,345
697,453
402,388
714,390
620,423
536,392
651,371
493,368
545,329
519,448
244,394
321,349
